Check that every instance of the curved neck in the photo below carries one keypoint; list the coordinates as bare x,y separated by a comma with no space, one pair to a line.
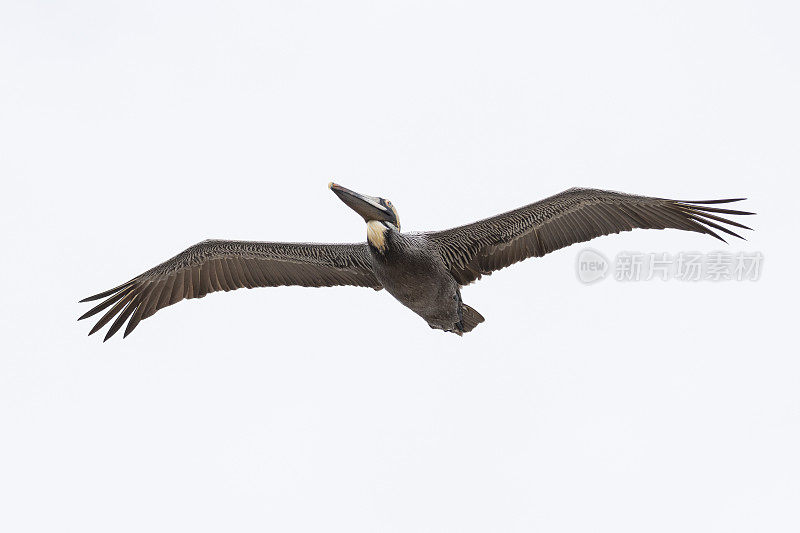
377,234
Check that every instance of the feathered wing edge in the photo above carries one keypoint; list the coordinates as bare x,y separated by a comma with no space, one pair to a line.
698,211
202,269
480,248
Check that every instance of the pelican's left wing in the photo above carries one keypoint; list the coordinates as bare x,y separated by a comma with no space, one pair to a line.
575,215
215,265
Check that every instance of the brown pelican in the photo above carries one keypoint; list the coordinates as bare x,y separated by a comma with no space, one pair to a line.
424,271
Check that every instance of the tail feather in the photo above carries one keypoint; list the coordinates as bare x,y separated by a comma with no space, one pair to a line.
469,318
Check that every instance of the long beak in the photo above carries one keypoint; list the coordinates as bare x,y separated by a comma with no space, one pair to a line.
369,207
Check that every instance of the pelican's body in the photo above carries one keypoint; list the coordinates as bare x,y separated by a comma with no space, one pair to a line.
423,271
410,268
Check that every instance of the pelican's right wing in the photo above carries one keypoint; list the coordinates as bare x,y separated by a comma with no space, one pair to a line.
575,215
215,265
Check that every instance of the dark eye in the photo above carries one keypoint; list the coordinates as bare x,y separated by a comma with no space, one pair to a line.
388,203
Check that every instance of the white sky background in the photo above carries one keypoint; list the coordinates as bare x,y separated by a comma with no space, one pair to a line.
129,131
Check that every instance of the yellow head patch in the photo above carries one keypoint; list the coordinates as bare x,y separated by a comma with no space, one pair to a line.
376,234
396,216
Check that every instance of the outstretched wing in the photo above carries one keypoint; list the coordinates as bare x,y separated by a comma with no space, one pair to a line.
215,265
575,215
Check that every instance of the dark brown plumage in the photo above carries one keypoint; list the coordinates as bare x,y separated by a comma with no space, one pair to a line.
212,266
570,217
424,271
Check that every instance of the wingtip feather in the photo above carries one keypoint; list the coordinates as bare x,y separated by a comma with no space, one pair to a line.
722,201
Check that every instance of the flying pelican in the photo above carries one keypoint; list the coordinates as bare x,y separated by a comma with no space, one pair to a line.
424,271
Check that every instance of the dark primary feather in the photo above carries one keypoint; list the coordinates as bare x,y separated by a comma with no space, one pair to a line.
212,266
573,216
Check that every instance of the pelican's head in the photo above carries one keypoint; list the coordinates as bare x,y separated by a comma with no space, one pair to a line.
379,213
371,208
